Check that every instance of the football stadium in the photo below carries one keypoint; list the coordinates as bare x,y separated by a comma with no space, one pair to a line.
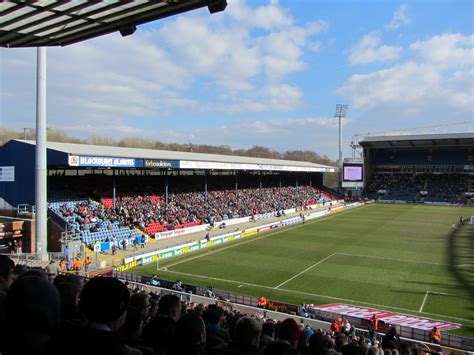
115,250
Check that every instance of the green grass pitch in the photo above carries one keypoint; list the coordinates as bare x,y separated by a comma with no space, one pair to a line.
407,258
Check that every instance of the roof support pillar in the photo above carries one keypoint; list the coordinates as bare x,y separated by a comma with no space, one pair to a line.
41,167
236,184
166,189
114,190
205,183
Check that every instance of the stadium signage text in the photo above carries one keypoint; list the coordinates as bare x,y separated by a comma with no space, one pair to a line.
388,318
189,164
162,164
76,160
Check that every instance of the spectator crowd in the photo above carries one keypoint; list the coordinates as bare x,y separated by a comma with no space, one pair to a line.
43,313
412,187
185,208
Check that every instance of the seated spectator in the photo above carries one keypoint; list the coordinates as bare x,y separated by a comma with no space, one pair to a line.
247,337
132,331
141,302
287,339
71,318
268,333
103,302
160,332
191,335
319,344
216,336
32,315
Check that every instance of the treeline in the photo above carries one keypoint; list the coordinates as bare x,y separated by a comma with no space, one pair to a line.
257,151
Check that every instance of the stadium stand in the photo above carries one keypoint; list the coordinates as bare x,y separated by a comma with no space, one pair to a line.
87,219
427,187
429,168
148,211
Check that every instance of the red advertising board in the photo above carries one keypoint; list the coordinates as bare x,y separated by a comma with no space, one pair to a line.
389,318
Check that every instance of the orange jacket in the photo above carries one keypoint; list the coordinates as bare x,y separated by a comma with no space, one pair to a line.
435,335
262,301
77,265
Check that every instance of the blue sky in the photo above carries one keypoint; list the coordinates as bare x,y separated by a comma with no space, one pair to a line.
261,72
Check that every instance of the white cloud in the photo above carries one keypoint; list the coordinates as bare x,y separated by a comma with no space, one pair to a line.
282,52
266,16
232,62
369,50
399,18
270,98
316,27
435,83
282,97
450,49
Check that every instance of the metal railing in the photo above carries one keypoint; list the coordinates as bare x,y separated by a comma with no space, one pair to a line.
25,208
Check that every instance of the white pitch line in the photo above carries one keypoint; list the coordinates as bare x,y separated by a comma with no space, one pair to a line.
436,293
261,237
424,300
241,283
317,295
393,259
449,294
444,294
302,272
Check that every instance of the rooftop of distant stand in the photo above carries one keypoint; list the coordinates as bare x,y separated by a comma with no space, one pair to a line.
418,140
138,153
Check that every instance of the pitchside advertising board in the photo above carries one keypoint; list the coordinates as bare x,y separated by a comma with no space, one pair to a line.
331,311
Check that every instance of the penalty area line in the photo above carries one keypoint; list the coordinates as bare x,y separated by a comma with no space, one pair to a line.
392,259
424,301
302,272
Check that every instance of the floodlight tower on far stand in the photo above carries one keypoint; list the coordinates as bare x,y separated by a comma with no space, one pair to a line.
341,112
